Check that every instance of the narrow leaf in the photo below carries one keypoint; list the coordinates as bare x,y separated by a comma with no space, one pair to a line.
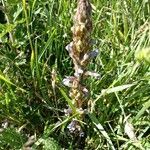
9,82
116,89
68,100
144,108
101,129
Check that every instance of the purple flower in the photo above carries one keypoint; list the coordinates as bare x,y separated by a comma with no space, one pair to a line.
68,111
93,53
73,126
90,55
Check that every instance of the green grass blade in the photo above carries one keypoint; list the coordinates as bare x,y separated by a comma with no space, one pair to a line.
49,41
69,101
117,88
101,129
144,108
6,80
9,82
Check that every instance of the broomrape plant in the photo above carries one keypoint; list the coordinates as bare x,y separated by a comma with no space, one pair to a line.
110,113
81,53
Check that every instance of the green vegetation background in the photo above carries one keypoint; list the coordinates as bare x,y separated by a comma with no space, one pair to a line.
33,63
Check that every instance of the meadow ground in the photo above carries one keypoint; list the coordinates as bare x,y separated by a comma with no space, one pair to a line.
34,61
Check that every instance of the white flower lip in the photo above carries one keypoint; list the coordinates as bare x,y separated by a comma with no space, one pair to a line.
78,72
85,91
69,47
68,81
